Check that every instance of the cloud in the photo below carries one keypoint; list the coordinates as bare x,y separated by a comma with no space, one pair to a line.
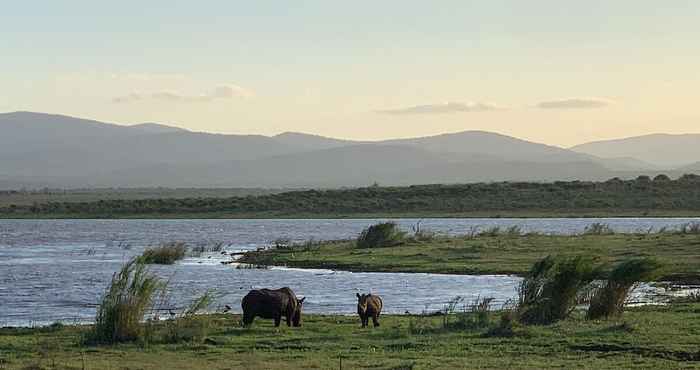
220,92
448,107
574,103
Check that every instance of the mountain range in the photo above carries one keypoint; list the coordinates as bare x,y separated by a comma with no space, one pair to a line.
38,150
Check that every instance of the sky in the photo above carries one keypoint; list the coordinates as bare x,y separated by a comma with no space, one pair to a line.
557,72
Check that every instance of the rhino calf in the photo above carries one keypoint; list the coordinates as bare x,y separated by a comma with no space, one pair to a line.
272,304
369,305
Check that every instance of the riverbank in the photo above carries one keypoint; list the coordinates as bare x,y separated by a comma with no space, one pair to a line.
491,254
494,214
661,337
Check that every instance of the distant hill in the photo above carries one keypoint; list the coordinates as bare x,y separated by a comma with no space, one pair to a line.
660,150
38,150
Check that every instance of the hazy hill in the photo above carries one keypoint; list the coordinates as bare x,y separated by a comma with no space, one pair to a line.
662,150
62,151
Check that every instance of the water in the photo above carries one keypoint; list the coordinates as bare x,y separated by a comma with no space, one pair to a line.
56,270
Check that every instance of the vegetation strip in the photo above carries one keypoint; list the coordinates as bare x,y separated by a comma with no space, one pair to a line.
638,198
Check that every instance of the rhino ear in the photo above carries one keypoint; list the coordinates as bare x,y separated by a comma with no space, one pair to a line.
358,295
302,300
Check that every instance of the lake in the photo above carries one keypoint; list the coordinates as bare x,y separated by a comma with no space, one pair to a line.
57,270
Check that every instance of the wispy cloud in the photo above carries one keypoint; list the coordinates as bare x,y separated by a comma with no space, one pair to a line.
220,92
574,103
448,107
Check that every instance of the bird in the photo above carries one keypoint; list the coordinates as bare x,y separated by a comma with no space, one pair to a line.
227,308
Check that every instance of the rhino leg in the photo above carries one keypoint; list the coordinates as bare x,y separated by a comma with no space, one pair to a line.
278,319
375,320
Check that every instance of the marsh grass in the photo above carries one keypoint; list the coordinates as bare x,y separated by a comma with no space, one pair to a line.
598,228
164,254
186,326
125,303
198,250
552,288
609,300
385,234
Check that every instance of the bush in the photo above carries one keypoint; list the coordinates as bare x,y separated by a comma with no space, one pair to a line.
385,234
610,299
165,254
126,301
552,288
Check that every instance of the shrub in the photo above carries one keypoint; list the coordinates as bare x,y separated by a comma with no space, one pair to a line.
609,300
551,289
598,228
165,254
126,301
385,234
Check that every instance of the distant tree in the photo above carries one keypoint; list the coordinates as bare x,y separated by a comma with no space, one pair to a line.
689,177
661,178
643,179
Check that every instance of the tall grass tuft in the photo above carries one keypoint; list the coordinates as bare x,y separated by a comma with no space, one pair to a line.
164,254
552,288
385,234
129,297
187,327
609,300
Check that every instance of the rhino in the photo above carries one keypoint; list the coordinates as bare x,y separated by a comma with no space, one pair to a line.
369,305
272,304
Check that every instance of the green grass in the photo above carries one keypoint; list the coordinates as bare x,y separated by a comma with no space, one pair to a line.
649,337
502,254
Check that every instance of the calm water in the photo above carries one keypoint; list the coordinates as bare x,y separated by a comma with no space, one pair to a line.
56,270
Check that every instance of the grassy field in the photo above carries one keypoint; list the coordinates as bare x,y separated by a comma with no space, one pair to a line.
499,254
635,198
661,337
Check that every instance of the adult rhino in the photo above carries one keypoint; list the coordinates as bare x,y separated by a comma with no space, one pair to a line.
369,305
272,304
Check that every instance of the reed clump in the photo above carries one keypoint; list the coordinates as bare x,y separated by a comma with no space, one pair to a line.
128,298
552,288
164,254
609,300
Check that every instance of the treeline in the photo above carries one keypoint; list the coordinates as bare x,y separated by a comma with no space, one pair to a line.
642,194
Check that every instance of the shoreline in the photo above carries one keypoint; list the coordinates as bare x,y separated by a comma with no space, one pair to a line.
582,214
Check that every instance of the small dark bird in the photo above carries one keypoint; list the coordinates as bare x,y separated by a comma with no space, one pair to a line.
227,308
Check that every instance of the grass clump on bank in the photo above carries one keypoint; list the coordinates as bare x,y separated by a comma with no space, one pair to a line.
609,300
164,254
381,235
129,297
551,290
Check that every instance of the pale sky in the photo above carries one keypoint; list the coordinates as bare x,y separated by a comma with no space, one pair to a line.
558,72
